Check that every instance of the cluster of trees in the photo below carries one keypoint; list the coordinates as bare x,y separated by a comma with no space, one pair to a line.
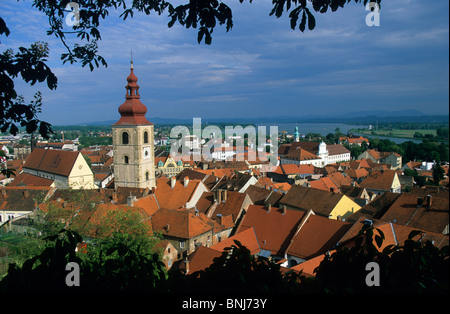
122,264
427,150
86,141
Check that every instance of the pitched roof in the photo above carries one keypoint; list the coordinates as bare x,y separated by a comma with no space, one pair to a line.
394,233
202,258
273,229
356,173
352,191
26,179
257,194
374,153
406,211
310,242
181,223
337,149
339,179
321,202
232,205
205,201
52,160
307,268
18,198
376,208
301,154
379,180
247,238
148,203
176,197
325,184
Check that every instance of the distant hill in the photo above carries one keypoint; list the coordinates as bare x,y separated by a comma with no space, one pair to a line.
361,117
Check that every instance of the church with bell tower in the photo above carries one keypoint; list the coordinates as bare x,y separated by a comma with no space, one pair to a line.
133,141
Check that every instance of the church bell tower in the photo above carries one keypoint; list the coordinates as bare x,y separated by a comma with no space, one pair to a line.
133,141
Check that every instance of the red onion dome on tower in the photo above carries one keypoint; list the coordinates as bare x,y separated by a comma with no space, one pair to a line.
132,111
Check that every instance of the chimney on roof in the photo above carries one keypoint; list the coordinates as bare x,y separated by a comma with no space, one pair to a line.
419,201
130,200
219,196
269,207
172,182
196,212
114,197
220,217
3,192
429,200
186,264
283,210
186,181
167,227
224,195
26,193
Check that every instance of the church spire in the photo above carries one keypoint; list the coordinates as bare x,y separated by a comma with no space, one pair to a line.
132,111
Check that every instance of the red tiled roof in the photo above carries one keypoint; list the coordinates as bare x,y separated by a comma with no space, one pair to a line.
321,202
273,229
52,160
316,236
181,223
202,258
247,238
176,197
149,204
380,180
324,183
405,211
26,179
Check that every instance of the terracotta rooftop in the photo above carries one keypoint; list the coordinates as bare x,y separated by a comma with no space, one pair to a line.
202,258
316,236
321,202
247,238
325,184
176,197
274,228
231,206
18,198
379,180
337,149
181,223
51,160
26,179
406,211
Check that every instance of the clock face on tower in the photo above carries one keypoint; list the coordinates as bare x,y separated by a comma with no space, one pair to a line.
146,152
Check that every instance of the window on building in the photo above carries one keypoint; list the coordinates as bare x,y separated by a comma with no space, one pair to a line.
125,159
146,176
125,139
181,244
145,137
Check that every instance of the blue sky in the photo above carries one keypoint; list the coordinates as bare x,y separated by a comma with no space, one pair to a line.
261,68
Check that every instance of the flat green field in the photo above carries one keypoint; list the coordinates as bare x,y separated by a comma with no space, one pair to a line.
400,133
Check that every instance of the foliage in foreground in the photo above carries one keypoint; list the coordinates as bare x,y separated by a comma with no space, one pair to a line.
415,267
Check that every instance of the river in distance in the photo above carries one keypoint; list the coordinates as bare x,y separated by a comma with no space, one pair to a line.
325,128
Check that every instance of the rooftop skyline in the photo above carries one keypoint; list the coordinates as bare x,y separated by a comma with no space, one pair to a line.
261,68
